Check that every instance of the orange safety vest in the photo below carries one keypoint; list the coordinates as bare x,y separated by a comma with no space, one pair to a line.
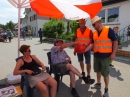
102,43
83,38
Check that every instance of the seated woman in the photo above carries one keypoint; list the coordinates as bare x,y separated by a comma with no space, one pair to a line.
37,77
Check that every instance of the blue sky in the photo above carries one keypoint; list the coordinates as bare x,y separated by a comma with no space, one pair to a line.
8,12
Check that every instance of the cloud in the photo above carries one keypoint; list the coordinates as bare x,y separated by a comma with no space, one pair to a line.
8,12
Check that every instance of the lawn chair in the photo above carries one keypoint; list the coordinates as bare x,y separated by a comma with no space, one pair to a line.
24,82
57,75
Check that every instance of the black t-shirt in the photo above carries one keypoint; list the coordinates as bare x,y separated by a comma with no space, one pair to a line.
113,37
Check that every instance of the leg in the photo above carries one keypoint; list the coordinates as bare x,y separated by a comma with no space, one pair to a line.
53,84
105,70
106,80
41,39
82,66
88,67
42,88
98,77
73,69
72,79
87,56
80,59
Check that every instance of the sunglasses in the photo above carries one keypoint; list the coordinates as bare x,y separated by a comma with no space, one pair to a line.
93,25
28,51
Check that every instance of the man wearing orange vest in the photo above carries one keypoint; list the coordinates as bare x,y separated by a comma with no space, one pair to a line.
84,36
104,44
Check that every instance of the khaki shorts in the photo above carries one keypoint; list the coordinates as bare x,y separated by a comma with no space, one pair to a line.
102,65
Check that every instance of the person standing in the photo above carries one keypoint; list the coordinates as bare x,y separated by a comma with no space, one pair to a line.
115,28
40,34
23,34
104,44
9,34
29,34
84,36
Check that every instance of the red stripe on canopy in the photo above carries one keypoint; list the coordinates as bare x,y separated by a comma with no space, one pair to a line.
46,8
91,9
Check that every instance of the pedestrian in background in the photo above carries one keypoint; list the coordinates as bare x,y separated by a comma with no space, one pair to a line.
29,34
115,28
9,35
23,34
40,34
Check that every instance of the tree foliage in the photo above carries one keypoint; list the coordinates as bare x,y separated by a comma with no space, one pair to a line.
73,25
8,25
53,27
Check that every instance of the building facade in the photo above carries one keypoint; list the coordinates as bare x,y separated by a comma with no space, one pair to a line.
32,21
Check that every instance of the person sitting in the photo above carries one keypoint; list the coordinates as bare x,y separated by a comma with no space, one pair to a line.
36,77
60,58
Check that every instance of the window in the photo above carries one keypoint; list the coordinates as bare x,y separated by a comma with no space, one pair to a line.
30,19
109,15
113,15
102,15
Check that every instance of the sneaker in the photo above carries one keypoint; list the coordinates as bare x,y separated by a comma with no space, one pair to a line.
96,86
106,94
88,81
74,93
88,77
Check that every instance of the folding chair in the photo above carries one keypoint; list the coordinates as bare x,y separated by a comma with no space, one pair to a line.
24,82
53,70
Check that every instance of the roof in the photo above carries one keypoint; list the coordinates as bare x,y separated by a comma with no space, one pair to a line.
108,2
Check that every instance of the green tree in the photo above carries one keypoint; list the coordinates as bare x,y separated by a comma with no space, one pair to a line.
2,26
9,25
68,27
53,27
73,25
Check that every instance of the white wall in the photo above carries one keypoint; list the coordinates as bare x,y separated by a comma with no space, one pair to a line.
24,23
126,48
124,15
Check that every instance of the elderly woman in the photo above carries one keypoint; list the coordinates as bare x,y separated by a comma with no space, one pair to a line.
36,76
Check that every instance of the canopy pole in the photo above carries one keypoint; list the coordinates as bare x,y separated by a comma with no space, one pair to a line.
19,9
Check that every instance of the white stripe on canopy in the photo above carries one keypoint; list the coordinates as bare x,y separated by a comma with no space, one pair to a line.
70,11
77,2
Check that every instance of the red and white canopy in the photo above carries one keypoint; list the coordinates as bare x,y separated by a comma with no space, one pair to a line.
70,9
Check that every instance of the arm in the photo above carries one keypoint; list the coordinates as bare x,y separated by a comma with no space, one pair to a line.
89,47
39,62
115,47
66,45
17,70
113,38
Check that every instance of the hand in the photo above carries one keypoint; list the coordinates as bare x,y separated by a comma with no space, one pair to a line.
112,57
76,43
29,72
68,59
43,68
74,53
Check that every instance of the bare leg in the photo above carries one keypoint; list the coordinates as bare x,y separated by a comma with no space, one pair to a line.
98,77
72,79
53,84
106,80
88,67
42,88
82,66
74,70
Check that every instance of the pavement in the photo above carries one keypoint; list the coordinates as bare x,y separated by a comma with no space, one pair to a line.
119,75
